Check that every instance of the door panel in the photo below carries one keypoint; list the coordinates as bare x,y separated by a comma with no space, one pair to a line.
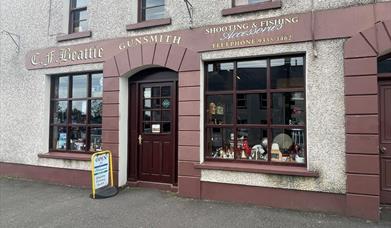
156,132
385,140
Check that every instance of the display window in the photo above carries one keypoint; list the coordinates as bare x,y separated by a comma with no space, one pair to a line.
255,110
76,112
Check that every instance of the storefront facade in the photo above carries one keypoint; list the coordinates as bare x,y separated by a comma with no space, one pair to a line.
276,103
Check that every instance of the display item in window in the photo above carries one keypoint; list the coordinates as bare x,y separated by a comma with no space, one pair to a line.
276,153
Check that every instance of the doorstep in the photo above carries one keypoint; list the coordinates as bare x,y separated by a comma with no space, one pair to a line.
154,185
385,212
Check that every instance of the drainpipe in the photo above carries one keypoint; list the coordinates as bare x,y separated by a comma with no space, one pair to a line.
314,49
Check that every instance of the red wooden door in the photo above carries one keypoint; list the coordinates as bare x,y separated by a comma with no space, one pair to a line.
385,140
156,139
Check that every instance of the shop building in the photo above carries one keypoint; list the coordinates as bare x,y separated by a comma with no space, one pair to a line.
277,103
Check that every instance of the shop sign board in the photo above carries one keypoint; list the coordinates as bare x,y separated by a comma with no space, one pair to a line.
285,29
102,174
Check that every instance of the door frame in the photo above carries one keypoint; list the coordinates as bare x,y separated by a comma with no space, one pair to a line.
134,83
383,79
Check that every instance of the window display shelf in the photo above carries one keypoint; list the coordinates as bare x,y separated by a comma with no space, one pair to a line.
257,168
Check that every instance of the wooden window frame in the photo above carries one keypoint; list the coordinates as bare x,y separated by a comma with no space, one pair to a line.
72,10
249,8
142,10
269,126
69,123
234,3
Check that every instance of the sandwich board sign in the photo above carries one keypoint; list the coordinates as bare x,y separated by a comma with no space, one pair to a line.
102,175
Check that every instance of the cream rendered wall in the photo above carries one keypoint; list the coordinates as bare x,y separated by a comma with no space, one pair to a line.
24,95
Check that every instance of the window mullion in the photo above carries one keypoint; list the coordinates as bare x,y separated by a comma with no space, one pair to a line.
234,116
69,113
269,112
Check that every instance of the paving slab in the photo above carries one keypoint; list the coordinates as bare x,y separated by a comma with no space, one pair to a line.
26,203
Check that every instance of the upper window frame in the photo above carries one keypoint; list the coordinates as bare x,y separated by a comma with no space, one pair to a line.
260,6
141,15
234,3
71,12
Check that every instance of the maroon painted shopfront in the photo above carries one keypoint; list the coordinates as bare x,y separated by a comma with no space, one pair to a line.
163,80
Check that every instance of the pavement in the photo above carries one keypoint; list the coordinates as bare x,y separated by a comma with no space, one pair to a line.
32,204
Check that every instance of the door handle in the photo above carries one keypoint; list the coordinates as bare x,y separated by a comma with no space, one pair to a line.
140,139
383,150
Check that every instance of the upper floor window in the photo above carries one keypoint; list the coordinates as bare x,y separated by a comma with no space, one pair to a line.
248,2
78,18
151,9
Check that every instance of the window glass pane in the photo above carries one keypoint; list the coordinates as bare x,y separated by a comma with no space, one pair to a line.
147,92
155,13
166,103
287,72
252,143
79,111
60,109
147,115
166,116
252,108
156,103
151,3
59,135
147,103
61,87
166,127
155,91
220,143
95,139
219,109
147,128
384,66
155,115
251,75
246,2
96,112
288,108
78,138
79,86
96,85
288,145
166,91
220,76
79,3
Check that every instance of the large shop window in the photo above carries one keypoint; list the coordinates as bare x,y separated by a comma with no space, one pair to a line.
78,18
76,113
151,9
255,110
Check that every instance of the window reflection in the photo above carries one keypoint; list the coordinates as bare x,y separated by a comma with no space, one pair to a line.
287,72
59,135
96,112
220,76
288,108
79,111
60,109
96,85
252,143
251,75
79,86
251,108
